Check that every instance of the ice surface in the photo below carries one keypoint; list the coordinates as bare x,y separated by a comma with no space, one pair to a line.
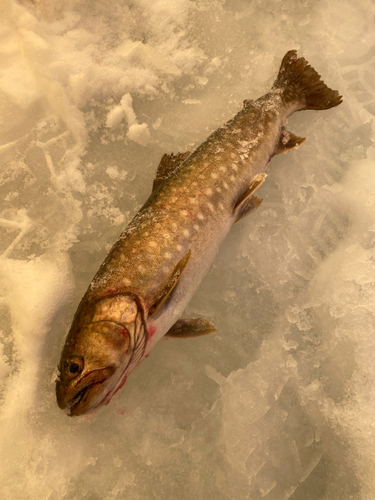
279,403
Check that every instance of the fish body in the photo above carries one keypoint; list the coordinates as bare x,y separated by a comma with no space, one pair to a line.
154,268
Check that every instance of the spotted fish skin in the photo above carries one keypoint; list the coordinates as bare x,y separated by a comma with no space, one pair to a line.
192,210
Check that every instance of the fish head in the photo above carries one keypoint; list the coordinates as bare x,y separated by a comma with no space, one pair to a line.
106,342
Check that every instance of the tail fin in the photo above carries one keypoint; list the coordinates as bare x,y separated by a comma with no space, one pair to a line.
299,82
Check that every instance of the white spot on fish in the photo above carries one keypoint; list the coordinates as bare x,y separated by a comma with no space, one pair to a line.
185,232
225,185
221,206
223,169
213,175
174,227
208,192
141,269
232,155
200,216
210,206
196,227
234,166
185,213
168,255
152,244
232,178
218,190
179,248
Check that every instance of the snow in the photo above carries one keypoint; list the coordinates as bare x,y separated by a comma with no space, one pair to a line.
279,402
139,133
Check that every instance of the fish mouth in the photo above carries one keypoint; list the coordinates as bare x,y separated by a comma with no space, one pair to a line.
87,394
76,406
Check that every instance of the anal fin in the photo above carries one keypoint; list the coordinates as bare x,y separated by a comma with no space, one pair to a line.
167,165
287,142
191,327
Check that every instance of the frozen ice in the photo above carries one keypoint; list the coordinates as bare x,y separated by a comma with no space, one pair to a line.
277,404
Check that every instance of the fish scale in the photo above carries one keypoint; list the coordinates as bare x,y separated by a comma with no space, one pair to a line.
158,229
154,268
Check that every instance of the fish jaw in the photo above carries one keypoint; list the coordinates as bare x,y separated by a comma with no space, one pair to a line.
88,393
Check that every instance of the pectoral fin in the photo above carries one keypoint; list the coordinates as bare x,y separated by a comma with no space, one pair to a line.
191,327
170,284
288,141
167,165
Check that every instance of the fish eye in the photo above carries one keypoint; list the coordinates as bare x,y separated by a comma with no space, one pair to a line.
74,366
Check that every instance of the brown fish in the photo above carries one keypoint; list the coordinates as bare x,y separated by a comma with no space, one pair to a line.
154,268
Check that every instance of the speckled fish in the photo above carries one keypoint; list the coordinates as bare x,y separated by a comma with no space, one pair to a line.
154,268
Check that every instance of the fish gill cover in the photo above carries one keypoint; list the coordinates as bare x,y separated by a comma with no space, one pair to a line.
279,403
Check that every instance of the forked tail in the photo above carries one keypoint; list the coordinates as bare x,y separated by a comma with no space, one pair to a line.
300,84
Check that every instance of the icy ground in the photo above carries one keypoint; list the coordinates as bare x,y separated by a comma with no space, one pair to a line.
280,402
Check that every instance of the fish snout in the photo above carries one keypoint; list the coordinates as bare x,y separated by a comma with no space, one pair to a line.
82,395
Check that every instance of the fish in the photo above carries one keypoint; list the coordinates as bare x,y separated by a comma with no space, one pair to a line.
152,271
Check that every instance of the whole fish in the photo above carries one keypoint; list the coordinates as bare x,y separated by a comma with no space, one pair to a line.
149,276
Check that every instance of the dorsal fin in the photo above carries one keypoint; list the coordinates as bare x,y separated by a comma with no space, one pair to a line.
167,165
